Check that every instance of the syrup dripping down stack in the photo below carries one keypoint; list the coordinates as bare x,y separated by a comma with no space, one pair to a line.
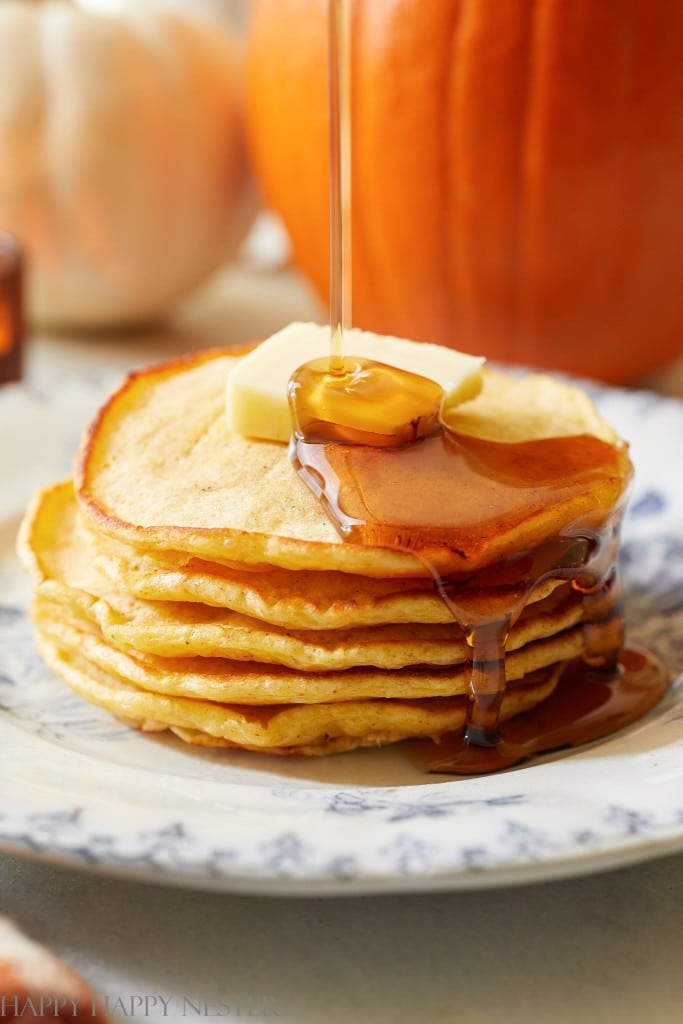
187,579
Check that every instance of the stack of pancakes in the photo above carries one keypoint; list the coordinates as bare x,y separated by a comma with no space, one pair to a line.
187,580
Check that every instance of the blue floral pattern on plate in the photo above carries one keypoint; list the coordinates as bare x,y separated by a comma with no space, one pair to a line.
81,789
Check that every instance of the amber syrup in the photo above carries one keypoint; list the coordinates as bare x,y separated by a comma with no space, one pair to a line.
339,90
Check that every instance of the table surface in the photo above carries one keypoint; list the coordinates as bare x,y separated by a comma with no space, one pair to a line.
603,948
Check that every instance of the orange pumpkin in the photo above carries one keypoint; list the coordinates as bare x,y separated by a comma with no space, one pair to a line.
517,171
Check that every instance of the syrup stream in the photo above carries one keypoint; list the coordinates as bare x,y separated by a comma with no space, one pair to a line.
340,180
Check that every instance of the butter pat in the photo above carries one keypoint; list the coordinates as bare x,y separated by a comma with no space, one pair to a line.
256,393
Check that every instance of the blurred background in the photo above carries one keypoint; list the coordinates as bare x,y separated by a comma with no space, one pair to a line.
516,173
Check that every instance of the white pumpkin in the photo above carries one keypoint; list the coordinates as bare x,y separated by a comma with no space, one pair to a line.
123,166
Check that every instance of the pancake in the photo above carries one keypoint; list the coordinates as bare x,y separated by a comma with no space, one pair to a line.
280,728
220,679
241,502
64,572
293,599
187,581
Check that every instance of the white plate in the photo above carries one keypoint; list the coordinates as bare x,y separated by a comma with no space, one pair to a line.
79,788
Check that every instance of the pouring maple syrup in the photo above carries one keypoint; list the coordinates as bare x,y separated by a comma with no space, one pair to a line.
369,442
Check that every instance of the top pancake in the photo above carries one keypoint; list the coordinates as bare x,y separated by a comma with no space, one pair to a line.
159,469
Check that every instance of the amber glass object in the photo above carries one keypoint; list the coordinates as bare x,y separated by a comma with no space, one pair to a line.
11,312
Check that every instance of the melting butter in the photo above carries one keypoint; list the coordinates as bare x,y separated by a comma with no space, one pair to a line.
256,393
